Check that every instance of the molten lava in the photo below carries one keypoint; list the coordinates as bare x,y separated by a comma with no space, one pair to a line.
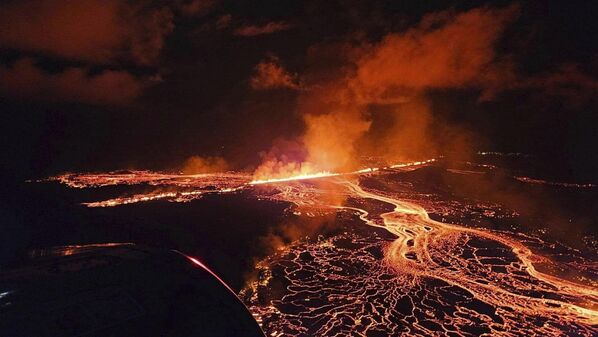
401,274
294,177
433,278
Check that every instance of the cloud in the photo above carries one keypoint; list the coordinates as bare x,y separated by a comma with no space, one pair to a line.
87,33
25,79
99,31
379,105
371,98
199,165
195,7
223,21
146,35
269,74
446,50
568,83
285,158
269,28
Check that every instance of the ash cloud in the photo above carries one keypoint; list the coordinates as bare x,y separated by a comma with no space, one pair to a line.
82,36
446,50
24,79
270,74
268,28
195,8
99,31
567,84
199,165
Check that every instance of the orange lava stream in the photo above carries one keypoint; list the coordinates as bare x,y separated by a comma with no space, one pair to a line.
184,196
427,249
421,248
294,178
415,232
199,184
331,174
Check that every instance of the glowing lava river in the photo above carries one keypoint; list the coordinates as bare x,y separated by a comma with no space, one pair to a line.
389,268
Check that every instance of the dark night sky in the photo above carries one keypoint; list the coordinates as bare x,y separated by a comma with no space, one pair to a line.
96,85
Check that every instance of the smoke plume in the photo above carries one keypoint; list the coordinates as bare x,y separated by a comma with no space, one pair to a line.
199,165
390,80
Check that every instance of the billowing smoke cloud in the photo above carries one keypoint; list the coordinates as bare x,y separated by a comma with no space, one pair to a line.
444,51
146,38
90,30
198,165
392,77
25,79
195,7
270,74
268,28
85,30
285,158
567,84
104,33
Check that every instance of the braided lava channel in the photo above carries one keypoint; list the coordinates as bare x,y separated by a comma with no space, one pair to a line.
411,276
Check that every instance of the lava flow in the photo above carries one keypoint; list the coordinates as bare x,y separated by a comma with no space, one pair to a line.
390,269
419,277
164,186
186,187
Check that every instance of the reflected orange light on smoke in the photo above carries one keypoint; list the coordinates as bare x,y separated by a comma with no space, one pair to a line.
371,98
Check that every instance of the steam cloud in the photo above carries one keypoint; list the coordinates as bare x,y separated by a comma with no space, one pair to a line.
98,31
25,79
269,74
269,28
199,165
446,50
104,33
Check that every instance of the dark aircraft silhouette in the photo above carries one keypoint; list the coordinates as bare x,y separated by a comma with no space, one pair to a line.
118,290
